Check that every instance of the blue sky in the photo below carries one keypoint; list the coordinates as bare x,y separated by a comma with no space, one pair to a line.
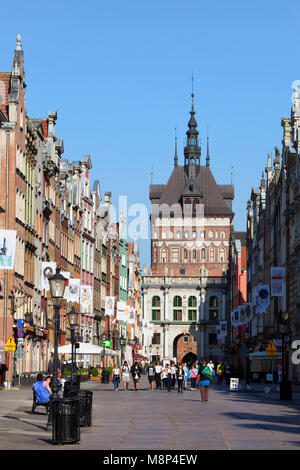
119,75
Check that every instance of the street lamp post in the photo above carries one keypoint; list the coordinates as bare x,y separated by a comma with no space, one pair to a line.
57,284
72,316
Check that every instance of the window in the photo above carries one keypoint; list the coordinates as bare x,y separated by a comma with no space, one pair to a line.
222,255
177,311
155,308
182,271
178,234
211,254
212,339
156,338
192,309
194,234
202,234
210,234
175,255
185,253
223,235
213,308
203,256
194,254
164,255
186,234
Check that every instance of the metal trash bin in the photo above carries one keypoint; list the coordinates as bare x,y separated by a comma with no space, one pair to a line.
85,407
286,390
105,377
65,420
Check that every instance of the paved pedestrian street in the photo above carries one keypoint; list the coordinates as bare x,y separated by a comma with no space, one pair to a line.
134,420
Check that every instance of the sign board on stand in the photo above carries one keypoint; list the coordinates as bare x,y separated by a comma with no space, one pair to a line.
234,384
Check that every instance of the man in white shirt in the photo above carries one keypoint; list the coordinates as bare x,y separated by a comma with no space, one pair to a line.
158,375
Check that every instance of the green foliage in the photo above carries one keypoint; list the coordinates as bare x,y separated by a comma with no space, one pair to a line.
94,372
66,372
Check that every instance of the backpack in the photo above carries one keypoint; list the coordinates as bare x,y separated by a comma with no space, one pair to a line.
207,372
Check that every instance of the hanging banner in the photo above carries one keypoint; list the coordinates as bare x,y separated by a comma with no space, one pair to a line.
236,318
109,306
86,295
131,320
126,312
242,314
48,270
67,276
121,311
223,328
73,290
277,281
262,298
7,248
248,311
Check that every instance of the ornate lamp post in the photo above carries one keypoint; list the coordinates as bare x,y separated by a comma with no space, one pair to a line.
57,284
72,316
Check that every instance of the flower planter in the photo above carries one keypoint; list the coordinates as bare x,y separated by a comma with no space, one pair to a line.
95,379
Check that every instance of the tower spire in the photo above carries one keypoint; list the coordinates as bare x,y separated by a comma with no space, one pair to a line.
192,150
175,154
207,153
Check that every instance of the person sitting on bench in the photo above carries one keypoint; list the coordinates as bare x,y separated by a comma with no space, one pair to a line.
42,389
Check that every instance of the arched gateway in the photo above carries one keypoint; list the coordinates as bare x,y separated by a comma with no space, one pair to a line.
185,348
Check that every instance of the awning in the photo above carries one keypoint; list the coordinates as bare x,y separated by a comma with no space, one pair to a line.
139,357
263,355
87,349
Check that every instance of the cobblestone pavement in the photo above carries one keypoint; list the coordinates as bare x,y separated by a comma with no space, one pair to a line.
159,420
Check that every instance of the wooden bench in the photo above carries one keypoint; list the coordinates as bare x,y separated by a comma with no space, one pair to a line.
36,403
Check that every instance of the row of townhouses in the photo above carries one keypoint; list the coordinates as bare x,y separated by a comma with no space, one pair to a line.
59,216
271,240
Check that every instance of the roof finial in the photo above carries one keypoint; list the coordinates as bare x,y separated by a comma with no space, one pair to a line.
19,46
175,155
207,153
193,91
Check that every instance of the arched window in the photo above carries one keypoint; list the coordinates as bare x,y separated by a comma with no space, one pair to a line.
164,255
192,309
203,255
222,255
223,234
213,308
177,308
155,308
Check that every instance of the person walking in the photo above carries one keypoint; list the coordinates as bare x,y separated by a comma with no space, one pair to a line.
116,378
136,374
220,372
169,377
151,375
186,375
205,380
163,377
180,378
193,375
125,375
173,371
158,369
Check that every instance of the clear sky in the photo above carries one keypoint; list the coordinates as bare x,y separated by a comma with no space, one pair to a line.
119,75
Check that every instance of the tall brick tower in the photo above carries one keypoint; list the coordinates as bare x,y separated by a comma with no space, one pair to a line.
185,291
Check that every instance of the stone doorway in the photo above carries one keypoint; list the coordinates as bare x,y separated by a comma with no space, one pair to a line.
184,345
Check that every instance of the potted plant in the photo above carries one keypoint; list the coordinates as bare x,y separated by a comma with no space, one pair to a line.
94,375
